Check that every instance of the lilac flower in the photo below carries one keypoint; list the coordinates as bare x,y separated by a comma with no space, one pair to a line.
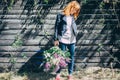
55,61
57,67
55,58
62,58
56,55
47,66
62,63
67,60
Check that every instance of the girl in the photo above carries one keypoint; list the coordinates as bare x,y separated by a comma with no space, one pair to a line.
66,32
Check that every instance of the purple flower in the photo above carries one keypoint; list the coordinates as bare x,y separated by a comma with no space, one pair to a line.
47,66
56,55
67,60
62,58
57,67
62,63
55,58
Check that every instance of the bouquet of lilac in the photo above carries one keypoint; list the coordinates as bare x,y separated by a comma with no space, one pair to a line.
55,58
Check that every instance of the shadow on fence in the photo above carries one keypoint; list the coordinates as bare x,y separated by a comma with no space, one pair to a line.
108,36
85,25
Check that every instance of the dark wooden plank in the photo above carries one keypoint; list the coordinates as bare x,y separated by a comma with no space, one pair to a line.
24,12
18,65
82,65
23,48
22,59
7,37
36,48
79,27
43,41
7,65
84,54
32,42
24,31
92,48
50,30
78,54
81,38
93,21
21,54
100,60
17,59
27,36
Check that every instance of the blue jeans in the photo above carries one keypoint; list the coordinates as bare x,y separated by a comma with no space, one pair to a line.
71,48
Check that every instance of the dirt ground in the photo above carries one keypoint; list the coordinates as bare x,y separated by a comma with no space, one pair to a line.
91,73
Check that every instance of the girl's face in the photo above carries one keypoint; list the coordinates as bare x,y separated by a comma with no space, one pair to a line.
73,10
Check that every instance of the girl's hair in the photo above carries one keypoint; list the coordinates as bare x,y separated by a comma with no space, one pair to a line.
72,4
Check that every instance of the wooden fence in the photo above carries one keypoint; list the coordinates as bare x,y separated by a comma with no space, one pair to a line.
32,24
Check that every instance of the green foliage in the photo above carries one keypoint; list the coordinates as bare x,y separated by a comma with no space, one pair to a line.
9,4
23,55
13,56
55,58
101,48
46,1
84,1
18,42
35,2
12,60
57,50
102,4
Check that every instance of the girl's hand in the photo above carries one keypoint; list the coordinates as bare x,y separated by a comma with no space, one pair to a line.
56,43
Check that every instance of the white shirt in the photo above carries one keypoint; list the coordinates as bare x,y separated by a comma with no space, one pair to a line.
67,37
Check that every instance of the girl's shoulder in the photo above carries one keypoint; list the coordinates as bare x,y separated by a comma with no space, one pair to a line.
61,14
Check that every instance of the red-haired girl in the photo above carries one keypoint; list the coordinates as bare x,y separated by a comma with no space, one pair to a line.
66,32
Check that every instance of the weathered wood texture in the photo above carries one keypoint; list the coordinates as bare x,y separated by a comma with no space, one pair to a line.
34,24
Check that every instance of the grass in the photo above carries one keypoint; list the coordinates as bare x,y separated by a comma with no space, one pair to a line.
91,73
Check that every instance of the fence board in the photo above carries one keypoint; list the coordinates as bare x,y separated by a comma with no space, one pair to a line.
36,31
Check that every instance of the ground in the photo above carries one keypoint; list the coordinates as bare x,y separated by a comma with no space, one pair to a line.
91,73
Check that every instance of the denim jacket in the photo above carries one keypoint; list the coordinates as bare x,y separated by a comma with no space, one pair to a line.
60,26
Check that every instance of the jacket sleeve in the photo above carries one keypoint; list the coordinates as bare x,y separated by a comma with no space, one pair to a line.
74,27
56,27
